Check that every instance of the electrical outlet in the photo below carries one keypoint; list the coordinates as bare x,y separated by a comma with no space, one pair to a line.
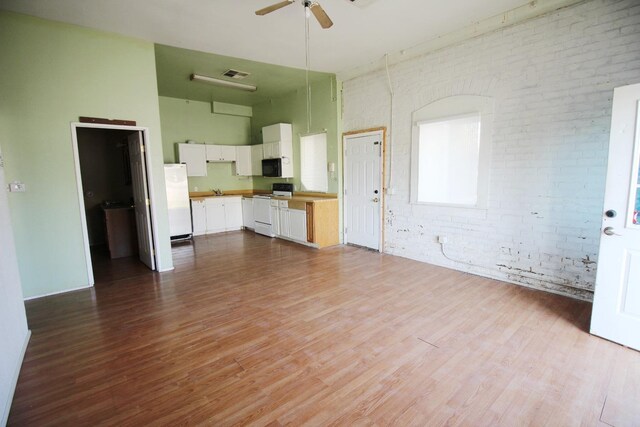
17,187
442,239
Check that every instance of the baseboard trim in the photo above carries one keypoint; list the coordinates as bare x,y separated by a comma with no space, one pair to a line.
14,383
59,292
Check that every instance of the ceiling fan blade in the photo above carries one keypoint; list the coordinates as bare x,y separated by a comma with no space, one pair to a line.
274,7
321,15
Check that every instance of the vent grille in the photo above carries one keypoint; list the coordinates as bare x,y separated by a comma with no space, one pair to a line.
236,74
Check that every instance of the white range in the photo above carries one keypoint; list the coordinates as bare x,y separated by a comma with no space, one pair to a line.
262,208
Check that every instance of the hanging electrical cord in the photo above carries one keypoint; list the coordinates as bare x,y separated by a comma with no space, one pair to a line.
390,182
307,13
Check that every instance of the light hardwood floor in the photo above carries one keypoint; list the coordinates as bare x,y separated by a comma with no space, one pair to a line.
251,330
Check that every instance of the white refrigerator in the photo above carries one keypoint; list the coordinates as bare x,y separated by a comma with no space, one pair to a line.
175,176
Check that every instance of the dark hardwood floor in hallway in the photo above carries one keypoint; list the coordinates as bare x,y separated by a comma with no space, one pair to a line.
255,331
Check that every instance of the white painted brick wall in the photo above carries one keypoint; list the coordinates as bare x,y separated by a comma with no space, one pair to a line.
552,79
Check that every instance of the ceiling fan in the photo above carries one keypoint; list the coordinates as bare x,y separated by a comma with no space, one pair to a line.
313,6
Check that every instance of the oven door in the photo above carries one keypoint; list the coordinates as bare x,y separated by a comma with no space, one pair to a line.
262,210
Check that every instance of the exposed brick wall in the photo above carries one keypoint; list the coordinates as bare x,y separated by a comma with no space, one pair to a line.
552,79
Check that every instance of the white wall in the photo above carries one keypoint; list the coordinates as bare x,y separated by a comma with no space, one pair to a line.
552,79
13,321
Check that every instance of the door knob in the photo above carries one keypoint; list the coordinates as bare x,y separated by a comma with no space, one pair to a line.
376,200
609,231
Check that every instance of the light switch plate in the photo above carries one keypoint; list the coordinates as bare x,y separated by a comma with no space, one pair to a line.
17,187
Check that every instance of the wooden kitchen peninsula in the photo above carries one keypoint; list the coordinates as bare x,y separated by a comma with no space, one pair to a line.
322,218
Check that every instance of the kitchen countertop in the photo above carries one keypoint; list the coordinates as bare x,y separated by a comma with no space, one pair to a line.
307,199
249,194
215,197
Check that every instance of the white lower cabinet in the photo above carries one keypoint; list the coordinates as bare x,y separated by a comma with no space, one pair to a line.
232,213
216,214
248,220
287,222
216,222
298,225
198,217
275,217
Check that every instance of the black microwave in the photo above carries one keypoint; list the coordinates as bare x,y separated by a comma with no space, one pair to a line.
272,167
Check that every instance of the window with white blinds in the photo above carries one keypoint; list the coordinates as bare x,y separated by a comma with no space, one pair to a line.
313,162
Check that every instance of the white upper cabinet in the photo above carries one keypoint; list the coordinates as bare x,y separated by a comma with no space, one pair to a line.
243,160
194,156
228,153
278,150
281,150
256,160
249,160
271,150
277,132
220,153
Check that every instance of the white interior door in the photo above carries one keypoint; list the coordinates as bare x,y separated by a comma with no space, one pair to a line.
616,305
363,190
141,199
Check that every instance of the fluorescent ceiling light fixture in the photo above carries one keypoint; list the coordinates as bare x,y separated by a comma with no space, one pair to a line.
223,83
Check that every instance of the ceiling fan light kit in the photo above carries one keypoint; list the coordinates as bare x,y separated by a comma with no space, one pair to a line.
223,83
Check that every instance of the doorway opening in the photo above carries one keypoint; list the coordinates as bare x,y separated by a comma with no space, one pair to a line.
111,170
363,191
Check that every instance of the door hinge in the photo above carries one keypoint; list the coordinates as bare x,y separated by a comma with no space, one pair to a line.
345,191
141,147
148,202
345,230
153,252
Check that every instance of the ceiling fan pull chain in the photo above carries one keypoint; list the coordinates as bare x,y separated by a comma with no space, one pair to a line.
306,45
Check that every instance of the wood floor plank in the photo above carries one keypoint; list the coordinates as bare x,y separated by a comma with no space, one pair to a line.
249,330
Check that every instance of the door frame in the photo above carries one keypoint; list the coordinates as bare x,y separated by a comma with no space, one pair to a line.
346,136
151,193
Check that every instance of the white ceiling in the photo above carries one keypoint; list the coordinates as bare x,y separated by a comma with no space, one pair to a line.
360,35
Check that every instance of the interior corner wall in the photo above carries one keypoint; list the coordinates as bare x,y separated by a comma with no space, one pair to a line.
184,120
292,108
14,334
50,74
552,80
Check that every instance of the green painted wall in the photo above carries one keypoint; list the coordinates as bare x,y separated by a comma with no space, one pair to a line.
50,74
292,108
183,120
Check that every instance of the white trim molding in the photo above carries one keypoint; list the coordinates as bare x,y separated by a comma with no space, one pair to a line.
153,209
